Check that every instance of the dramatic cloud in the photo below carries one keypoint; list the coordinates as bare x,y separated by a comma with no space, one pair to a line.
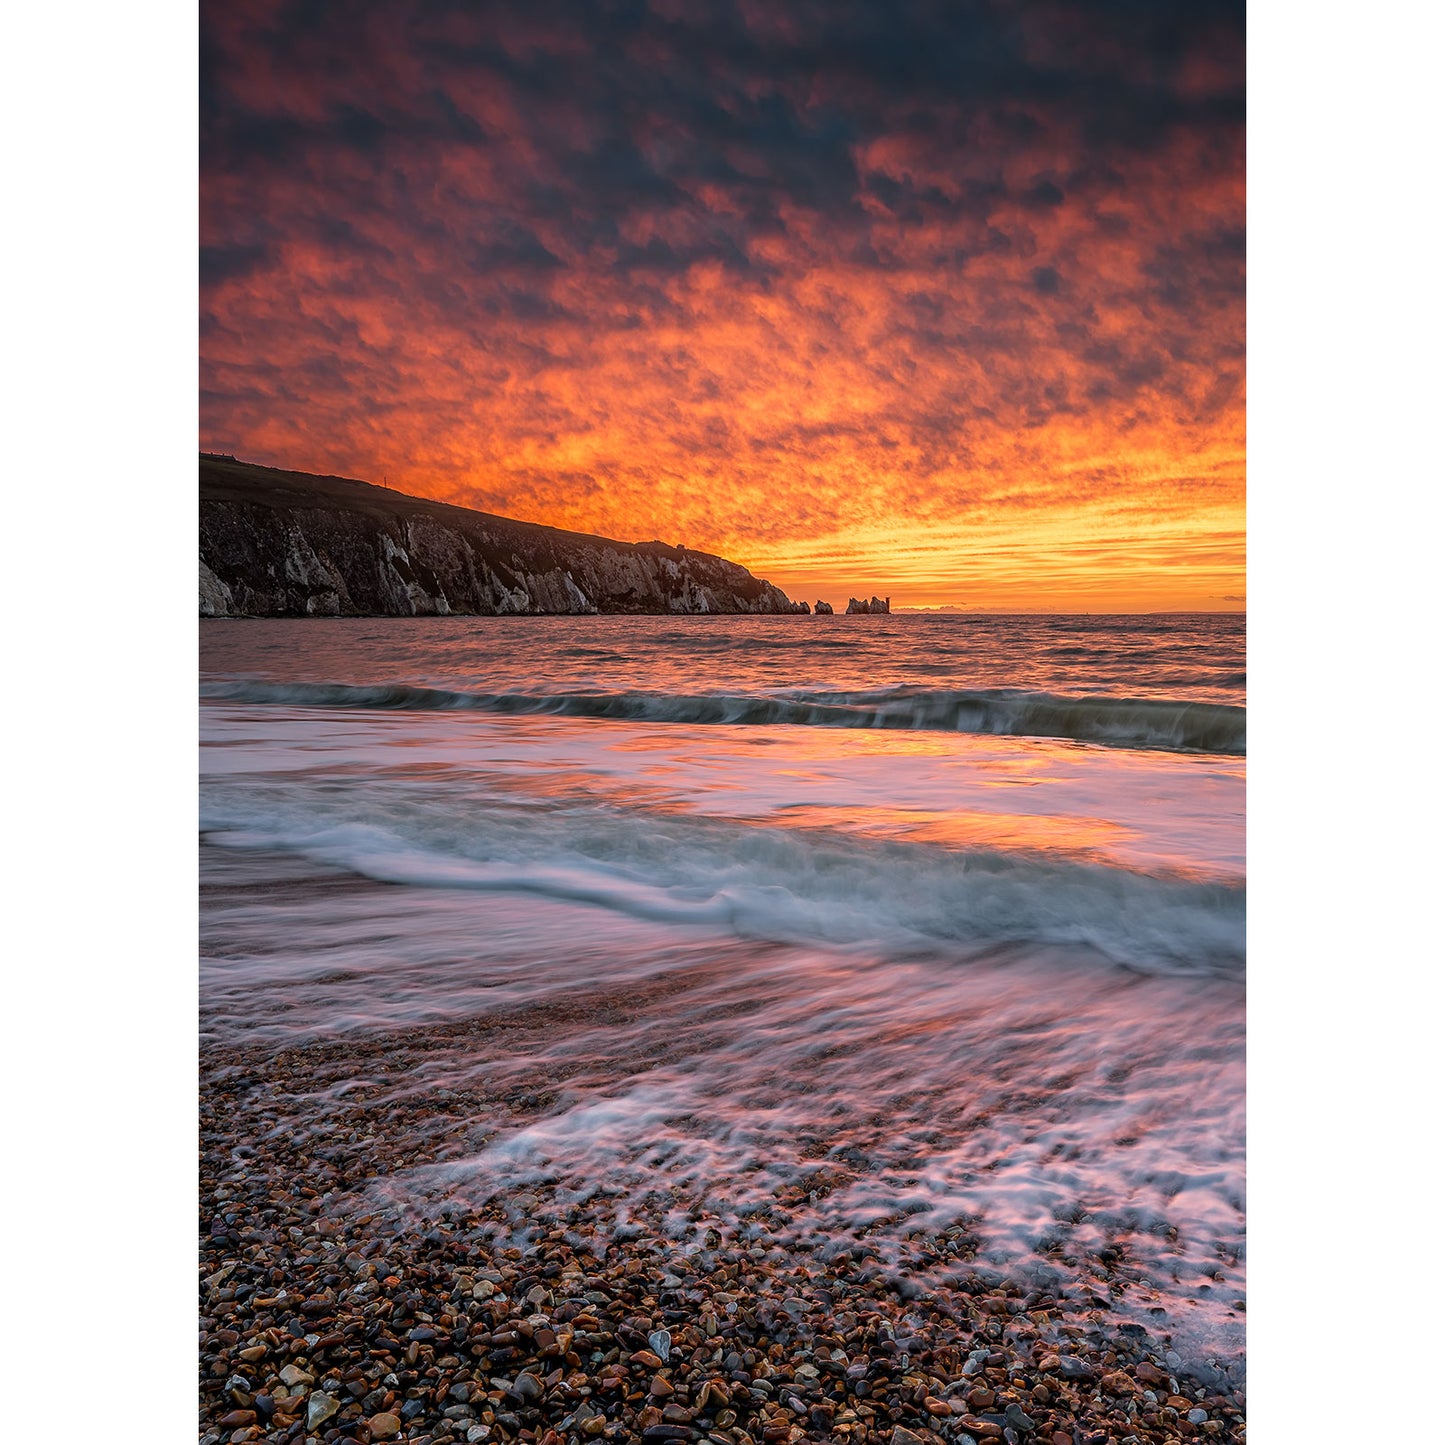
944,299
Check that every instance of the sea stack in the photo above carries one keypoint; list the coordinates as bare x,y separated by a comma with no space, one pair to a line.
872,605
823,609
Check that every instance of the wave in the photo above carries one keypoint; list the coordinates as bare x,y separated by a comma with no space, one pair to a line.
1150,723
782,884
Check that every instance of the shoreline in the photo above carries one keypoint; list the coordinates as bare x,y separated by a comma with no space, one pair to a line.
326,1317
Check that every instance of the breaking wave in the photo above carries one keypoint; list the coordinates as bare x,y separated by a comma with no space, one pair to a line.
788,885
1148,723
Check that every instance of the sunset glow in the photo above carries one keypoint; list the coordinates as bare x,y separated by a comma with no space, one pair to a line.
946,305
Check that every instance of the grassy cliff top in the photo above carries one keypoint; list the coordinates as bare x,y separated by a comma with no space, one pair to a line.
224,479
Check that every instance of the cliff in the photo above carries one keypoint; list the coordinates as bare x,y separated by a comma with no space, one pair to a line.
288,544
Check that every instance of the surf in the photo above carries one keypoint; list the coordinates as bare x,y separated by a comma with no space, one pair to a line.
1144,723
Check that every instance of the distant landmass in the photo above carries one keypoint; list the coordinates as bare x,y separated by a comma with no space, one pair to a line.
288,544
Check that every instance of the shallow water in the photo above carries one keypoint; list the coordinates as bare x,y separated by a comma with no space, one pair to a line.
825,983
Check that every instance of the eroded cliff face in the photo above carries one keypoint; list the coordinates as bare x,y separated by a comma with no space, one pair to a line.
286,544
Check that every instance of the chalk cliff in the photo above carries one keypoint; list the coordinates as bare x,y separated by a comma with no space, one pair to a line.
288,544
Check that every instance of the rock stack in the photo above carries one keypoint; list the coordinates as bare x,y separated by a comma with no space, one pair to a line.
873,604
823,609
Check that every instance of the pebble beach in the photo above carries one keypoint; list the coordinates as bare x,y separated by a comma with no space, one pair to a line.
324,1325
603,1074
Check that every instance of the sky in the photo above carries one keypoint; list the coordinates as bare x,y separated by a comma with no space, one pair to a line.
942,301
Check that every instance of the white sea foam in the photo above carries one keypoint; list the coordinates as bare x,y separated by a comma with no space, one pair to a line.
799,885
878,984
1051,1109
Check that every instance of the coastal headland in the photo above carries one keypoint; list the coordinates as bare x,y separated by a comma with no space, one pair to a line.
289,544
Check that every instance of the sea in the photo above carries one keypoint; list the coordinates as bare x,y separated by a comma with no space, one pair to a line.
921,932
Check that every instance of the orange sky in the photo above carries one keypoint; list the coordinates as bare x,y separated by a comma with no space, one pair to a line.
952,313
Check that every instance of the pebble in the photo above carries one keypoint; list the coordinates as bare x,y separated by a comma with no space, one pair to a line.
319,1409
327,1324
901,1436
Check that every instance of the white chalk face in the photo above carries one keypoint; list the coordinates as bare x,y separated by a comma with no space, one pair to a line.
936,995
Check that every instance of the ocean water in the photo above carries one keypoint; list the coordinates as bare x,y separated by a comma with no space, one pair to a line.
885,931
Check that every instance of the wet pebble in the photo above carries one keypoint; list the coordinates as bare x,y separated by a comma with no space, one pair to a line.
323,1320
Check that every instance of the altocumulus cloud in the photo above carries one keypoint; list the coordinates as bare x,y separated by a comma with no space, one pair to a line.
729,271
